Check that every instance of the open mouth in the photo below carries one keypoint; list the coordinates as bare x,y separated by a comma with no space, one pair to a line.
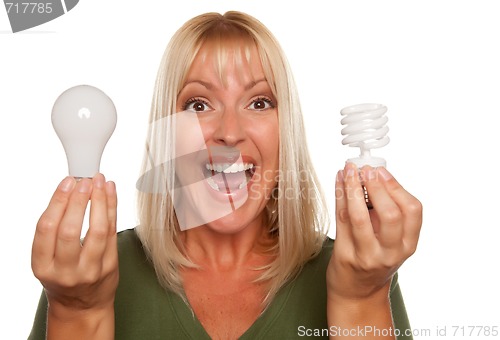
227,177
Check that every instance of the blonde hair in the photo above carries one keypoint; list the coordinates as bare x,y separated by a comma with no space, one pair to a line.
299,224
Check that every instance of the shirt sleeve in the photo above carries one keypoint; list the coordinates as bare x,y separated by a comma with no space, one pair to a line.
400,317
39,329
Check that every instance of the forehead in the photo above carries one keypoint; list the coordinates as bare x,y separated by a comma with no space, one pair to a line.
236,58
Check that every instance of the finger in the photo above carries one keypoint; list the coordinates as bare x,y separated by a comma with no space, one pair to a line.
111,255
46,230
410,207
390,217
112,206
362,230
342,215
96,239
68,246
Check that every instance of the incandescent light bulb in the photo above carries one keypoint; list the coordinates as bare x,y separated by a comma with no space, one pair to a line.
84,119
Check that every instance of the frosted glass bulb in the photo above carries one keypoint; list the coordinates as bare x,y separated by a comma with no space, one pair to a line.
366,128
84,119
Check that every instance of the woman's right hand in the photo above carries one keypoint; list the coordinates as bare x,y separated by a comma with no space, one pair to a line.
80,279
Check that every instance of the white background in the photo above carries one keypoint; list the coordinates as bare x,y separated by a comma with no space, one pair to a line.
435,64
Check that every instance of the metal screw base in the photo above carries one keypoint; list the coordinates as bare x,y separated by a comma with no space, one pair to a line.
369,204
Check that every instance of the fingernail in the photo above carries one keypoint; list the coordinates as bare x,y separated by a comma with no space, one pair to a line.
340,176
85,185
384,173
350,170
371,174
99,181
67,184
110,188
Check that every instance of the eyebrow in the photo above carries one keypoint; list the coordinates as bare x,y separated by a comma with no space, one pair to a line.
210,86
252,84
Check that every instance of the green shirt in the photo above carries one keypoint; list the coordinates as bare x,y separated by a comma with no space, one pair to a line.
146,311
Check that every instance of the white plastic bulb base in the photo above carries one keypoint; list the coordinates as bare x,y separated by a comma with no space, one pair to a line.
374,162
84,119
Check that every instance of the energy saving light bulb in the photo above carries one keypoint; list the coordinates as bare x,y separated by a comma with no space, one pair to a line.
365,128
84,119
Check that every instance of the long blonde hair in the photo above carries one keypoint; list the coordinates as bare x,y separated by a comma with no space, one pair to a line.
298,221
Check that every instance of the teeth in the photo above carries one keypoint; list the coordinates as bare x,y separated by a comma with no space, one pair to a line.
212,184
229,168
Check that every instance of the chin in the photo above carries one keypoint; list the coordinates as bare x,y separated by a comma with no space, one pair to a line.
241,219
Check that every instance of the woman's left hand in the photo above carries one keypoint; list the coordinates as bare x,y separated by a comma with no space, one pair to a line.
370,245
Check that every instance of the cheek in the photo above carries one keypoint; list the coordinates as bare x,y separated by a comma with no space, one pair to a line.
274,150
189,136
266,137
208,126
272,140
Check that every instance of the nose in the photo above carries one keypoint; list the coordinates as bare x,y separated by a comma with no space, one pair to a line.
229,130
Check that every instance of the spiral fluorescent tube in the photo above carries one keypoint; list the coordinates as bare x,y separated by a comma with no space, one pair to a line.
365,128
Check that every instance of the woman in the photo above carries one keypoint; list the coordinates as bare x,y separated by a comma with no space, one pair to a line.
236,246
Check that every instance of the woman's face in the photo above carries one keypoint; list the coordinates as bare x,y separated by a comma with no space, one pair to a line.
238,117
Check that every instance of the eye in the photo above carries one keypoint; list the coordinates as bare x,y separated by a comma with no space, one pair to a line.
261,104
196,105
